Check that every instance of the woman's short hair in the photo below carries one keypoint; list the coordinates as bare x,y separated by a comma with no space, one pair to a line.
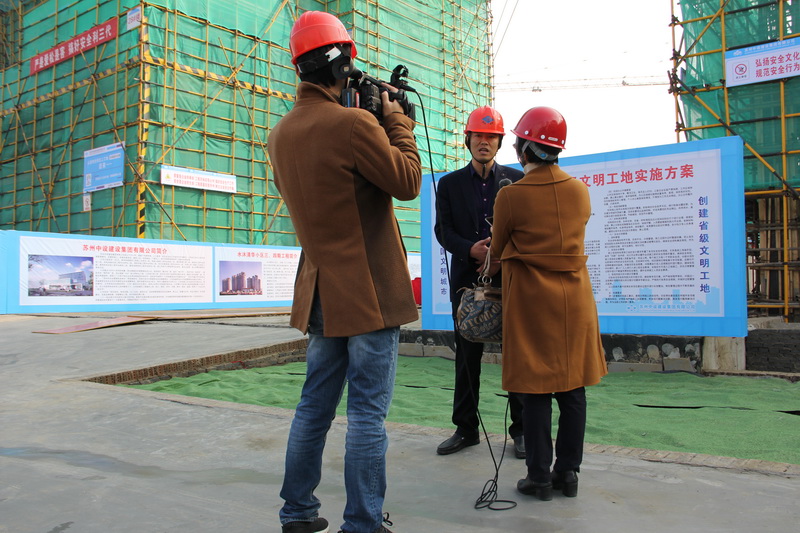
539,153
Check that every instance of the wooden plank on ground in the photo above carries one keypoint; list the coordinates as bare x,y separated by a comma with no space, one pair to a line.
97,325
131,319
198,316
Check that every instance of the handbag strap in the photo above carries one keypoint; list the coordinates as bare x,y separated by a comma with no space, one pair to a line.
484,276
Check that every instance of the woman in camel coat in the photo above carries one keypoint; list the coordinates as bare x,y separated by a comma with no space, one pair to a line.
551,338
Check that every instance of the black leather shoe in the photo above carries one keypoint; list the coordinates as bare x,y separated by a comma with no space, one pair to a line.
519,447
456,443
543,491
566,482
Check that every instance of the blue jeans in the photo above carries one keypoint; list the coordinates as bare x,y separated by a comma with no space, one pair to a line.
368,364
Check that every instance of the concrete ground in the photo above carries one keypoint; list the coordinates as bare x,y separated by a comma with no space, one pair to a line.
83,457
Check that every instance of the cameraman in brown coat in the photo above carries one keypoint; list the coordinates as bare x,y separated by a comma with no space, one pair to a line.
338,169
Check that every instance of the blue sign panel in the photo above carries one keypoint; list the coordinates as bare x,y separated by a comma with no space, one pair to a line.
103,167
665,242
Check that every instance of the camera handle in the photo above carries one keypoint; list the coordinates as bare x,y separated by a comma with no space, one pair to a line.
396,80
402,97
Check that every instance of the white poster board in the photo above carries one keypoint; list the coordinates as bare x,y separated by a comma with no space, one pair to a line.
47,272
665,240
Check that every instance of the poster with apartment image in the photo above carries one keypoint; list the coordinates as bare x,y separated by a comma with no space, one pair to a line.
249,274
239,278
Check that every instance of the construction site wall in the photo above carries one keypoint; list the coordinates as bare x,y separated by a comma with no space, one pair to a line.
196,86
765,114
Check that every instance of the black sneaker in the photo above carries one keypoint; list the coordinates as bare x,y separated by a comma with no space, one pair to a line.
386,521
382,528
319,525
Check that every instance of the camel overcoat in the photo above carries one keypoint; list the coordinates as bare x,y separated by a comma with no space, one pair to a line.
338,169
551,337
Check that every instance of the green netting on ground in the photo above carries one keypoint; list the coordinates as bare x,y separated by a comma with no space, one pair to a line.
753,111
746,418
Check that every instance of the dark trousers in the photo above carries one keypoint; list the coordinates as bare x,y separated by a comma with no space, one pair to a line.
467,390
537,422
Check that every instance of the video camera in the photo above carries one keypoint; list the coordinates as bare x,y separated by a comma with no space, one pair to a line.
365,92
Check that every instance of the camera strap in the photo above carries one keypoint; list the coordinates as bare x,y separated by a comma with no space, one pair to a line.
342,64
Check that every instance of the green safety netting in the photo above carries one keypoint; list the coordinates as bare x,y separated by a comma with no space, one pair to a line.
180,61
748,418
754,111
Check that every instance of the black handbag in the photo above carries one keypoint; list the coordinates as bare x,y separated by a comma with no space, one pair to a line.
479,317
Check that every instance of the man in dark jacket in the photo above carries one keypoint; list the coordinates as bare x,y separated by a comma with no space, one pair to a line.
464,202
338,169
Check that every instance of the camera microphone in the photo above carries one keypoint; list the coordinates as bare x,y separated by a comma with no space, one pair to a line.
397,80
503,182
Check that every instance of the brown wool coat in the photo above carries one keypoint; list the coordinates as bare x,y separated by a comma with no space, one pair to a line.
551,338
337,170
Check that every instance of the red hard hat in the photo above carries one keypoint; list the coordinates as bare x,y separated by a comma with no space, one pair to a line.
485,120
315,29
543,125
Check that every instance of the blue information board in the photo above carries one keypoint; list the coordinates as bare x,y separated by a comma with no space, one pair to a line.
666,241
103,167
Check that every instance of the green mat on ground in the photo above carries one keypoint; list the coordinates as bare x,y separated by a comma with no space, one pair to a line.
747,418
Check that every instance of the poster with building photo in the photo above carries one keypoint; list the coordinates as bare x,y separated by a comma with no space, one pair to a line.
83,271
239,278
253,274
59,275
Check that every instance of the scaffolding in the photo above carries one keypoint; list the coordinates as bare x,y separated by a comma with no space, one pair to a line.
197,86
766,115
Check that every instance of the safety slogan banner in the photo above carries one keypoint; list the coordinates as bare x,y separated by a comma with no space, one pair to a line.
764,62
665,241
77,45
197,179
